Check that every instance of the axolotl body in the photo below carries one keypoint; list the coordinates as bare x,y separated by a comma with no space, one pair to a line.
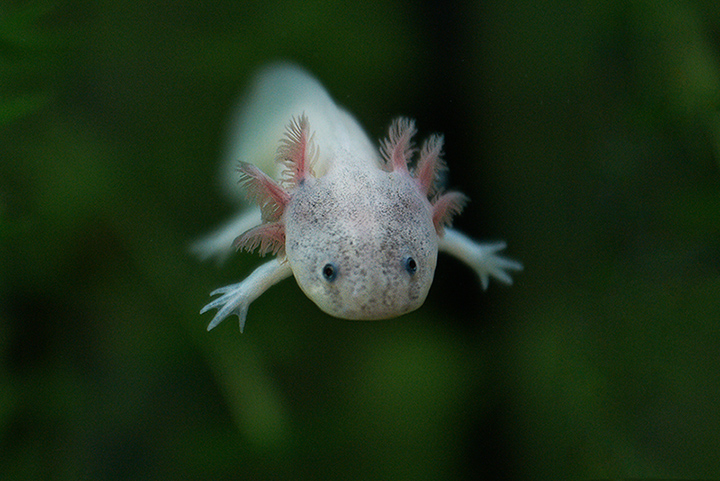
358,227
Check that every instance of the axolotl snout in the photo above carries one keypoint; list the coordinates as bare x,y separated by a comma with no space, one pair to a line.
358,227
362,244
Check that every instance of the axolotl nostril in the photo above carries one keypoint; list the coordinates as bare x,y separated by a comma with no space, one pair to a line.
358,227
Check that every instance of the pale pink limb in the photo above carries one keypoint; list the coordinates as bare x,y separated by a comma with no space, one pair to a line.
236,298
219,244
481,257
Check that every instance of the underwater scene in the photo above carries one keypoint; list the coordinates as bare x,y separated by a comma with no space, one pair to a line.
518,279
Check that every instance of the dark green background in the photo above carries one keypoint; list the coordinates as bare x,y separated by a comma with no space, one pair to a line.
586,134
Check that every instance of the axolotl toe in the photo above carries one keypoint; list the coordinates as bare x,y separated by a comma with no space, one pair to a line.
358,227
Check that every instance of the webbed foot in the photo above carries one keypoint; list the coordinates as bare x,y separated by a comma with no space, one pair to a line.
481,257
236,298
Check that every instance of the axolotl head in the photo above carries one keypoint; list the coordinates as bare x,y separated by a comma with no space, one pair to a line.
361,244
361,240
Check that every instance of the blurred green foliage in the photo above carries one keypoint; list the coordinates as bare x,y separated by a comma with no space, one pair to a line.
587,135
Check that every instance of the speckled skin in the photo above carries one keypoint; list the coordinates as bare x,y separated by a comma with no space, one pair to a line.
367,223
357,227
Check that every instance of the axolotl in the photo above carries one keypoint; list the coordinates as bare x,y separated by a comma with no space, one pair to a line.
358,227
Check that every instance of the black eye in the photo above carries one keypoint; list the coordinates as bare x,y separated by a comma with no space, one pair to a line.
410,265
329,272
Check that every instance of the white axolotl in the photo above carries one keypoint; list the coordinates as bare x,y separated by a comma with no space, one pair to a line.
357,227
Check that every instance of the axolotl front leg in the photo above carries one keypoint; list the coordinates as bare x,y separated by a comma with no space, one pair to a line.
236,298
481,257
